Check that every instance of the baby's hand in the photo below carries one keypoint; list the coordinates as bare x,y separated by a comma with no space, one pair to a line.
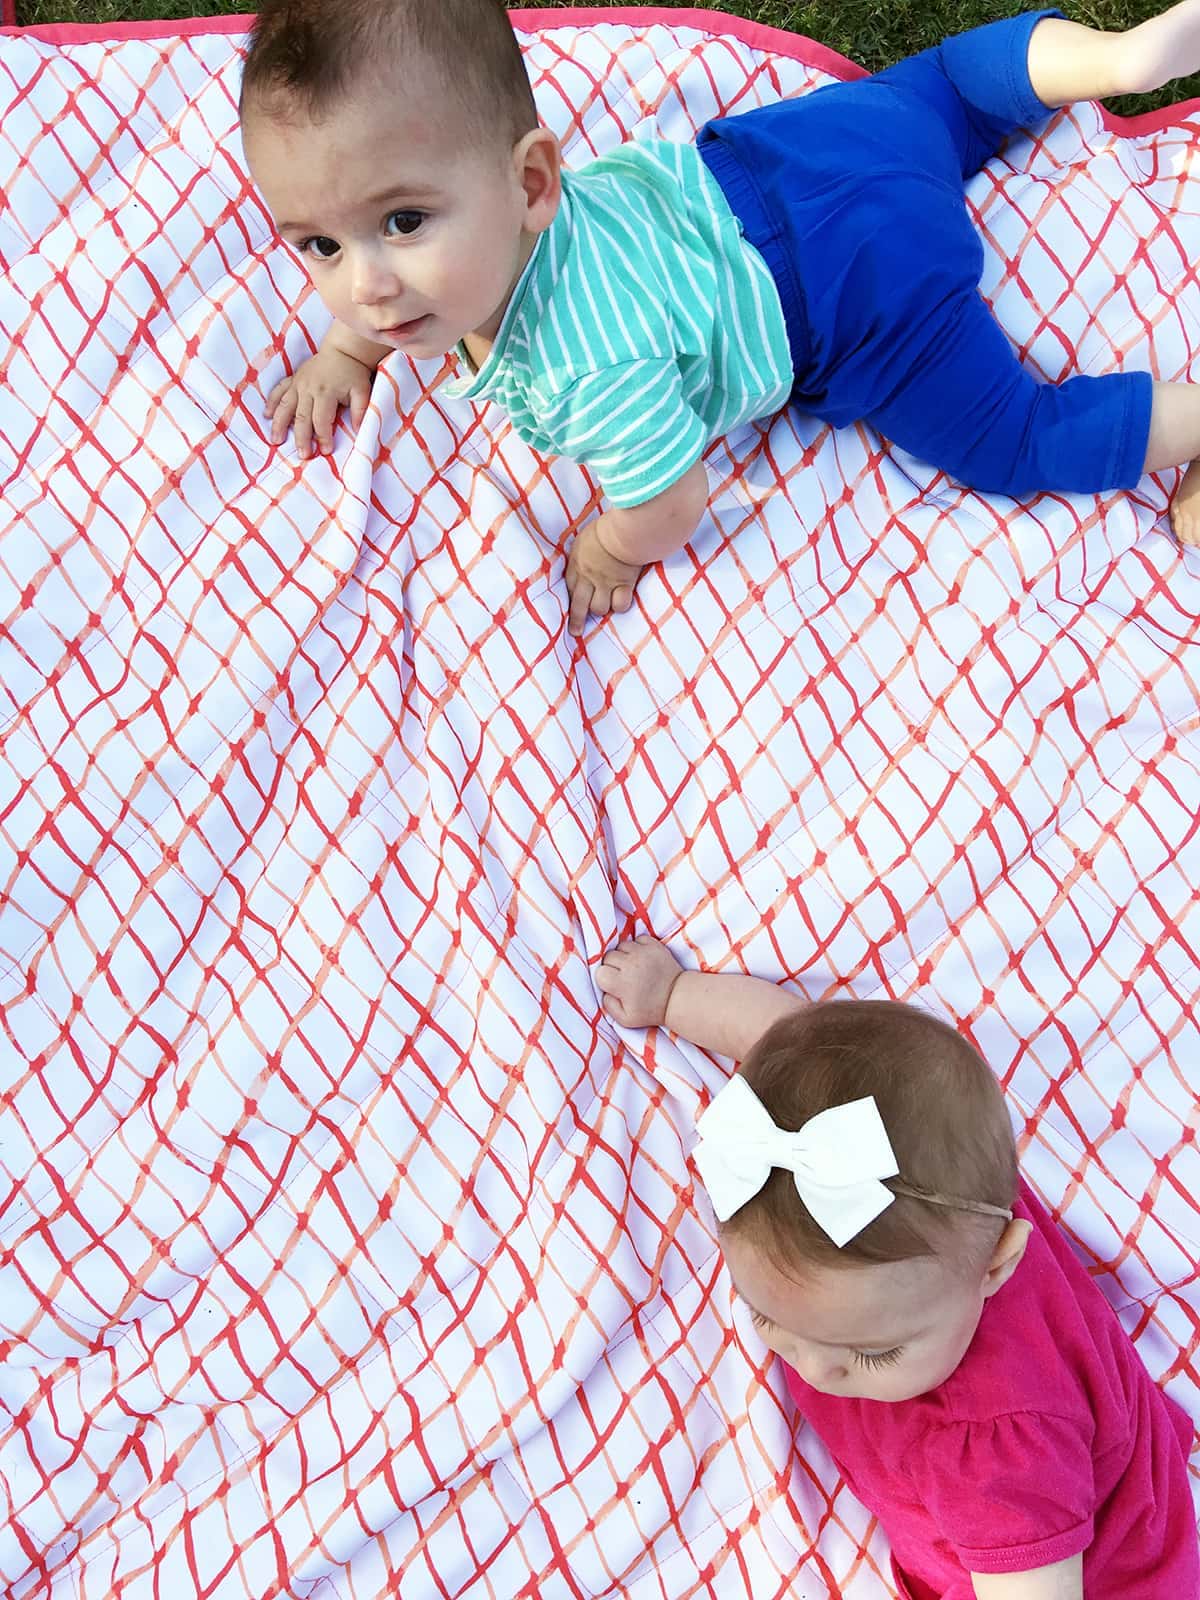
635,981
308,400
596,581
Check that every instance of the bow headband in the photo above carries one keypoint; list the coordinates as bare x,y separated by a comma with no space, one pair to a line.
838,1158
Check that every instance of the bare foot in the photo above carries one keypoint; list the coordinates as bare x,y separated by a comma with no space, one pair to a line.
1164,47
1185,508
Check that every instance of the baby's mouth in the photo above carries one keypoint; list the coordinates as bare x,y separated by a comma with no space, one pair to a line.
399,331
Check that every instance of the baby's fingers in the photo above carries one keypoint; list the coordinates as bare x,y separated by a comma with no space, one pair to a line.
613,1005
633,947
277,394
580,591
302,427
608,974
360,399
282,402
324,415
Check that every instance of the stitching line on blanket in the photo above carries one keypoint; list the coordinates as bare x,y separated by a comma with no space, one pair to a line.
1186,1275
262,945
228,422
86,1552
243,1456
955,762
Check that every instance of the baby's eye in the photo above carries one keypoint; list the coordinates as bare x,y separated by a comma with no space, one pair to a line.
403,222
320,246
759,1321
878,1358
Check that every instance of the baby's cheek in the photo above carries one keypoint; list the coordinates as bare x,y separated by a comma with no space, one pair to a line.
785,1348
932,1368
325,286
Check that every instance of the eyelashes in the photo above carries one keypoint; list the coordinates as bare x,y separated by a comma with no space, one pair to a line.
878,1358
314,247
403,223
872,1359
400,224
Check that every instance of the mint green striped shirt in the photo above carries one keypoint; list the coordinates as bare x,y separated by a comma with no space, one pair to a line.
642,327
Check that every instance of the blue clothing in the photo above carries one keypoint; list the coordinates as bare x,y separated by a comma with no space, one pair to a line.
853,195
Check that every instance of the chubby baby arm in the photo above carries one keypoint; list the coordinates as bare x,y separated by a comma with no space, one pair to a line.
309,399
1061,1581
609,552
643,986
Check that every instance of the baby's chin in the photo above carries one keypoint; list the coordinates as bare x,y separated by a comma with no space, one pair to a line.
916,1386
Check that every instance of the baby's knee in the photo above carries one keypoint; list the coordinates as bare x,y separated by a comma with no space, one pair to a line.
1085,436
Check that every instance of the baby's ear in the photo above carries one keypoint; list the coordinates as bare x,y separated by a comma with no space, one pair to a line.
537,161
1006,1257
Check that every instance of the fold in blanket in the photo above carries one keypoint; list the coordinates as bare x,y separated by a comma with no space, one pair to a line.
349,1251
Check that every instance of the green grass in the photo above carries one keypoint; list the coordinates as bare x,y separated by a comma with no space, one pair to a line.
869,31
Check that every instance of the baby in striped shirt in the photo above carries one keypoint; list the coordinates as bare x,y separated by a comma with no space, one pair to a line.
626,314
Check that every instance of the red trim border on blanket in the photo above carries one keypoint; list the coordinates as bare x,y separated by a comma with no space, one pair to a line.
755,34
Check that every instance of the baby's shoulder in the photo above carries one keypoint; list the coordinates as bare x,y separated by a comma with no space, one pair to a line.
638,163
1048,1345
652,188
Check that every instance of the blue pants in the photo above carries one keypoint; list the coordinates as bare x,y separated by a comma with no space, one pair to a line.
854,197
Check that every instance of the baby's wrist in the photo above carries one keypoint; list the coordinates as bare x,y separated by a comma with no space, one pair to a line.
343,341
672,994
614,538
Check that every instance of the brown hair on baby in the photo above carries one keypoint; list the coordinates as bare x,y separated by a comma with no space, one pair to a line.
307,55
945,1118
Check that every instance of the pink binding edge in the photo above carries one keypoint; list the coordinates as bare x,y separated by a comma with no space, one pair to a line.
757,35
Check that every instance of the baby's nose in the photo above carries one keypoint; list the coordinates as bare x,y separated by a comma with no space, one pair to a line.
821,1369
373,281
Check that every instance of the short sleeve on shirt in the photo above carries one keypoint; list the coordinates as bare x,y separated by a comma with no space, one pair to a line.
1009,1494
630,425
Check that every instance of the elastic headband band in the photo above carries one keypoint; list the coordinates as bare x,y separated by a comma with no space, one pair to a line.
952,1202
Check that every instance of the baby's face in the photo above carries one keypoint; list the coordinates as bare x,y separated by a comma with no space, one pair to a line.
413,236
887,1332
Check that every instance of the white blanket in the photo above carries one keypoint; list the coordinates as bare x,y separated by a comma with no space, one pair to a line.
349,1251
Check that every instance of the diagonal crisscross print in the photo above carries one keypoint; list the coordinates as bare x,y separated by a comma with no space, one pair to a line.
347,1251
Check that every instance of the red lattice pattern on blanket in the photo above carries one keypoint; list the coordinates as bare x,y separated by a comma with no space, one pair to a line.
349,1252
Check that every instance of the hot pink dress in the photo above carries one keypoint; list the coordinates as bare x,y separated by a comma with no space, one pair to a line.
1048,1439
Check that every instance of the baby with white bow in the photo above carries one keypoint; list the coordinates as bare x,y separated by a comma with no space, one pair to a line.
937,1332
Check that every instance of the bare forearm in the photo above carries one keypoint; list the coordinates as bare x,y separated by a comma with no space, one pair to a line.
725,1012
1062,1581
351,344
658,527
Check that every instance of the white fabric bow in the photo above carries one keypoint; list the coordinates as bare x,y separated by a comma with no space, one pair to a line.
837,1157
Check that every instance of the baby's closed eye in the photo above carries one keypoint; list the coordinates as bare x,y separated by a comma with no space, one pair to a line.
863,1358
878,1358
